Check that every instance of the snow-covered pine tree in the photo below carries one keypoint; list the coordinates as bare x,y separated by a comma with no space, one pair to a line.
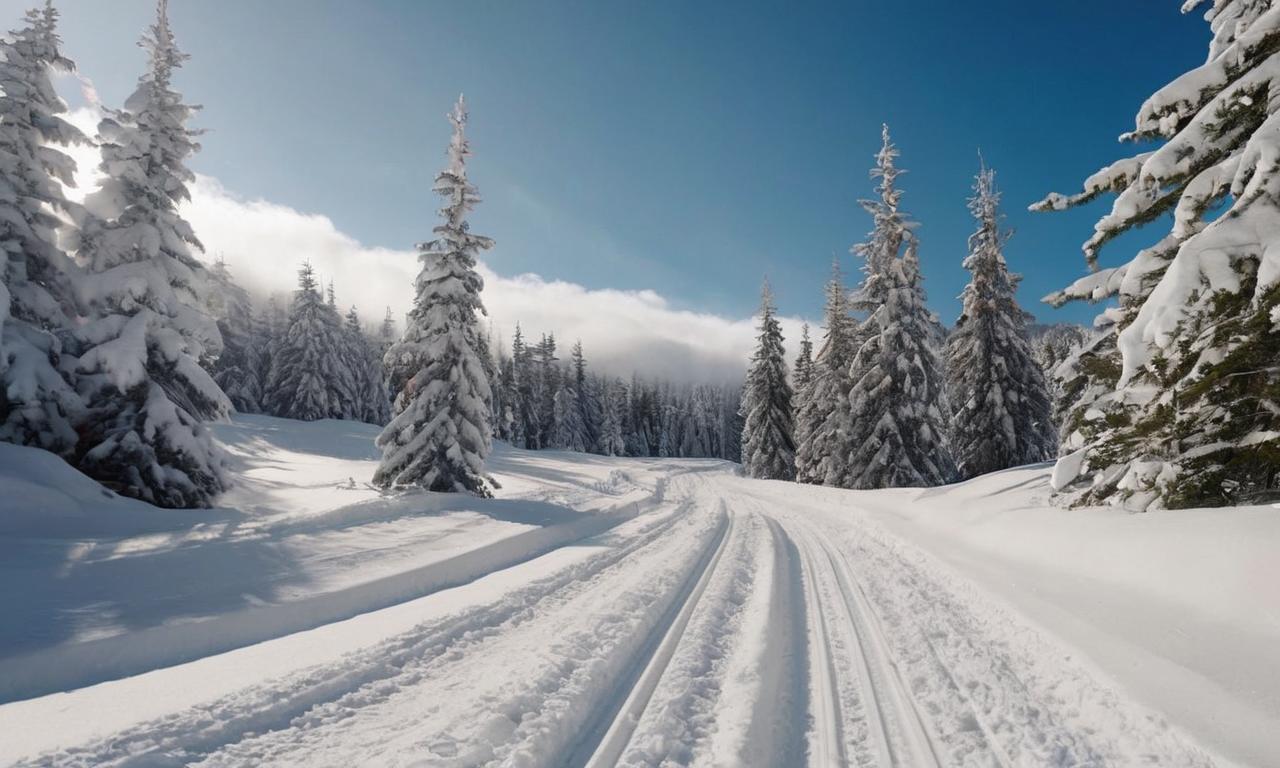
570,430
524,432
570,406
38,404
1179,403
387,331
768,441
1053,347
546,382
364,361
804,360
269,329
822,420
1002,409
491,374
309,377
345,383
503,414
898,427
441,435
612,405
139,372
588,401
236,369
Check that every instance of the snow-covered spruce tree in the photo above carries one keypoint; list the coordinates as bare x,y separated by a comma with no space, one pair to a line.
441,435
387,332
1180,398
588,401
546,382
612,404
570,429
804,360
898,425
364,362
236,369
310,378
38,404
768,442
1002,410
822,419
139,372
1053,346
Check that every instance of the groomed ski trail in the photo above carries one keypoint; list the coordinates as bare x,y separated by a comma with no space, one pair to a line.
734,622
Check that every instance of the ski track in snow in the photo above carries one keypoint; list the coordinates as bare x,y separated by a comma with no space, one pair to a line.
732,622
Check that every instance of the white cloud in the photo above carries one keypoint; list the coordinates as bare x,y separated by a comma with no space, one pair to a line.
622,331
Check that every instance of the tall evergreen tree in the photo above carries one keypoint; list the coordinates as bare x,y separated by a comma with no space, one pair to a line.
612,404
1057,350
823,418
387,331
441,436
570,428
1179,399
768,442
804,361
38,404
525,424
236,369
365,366
309,379
576,417
139,374
1003,413
898,428
546,382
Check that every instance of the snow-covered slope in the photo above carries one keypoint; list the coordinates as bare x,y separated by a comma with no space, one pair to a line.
631,612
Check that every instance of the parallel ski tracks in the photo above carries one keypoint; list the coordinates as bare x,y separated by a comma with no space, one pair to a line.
607,738
278,702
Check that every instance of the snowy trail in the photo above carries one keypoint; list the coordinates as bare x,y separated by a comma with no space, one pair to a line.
730,622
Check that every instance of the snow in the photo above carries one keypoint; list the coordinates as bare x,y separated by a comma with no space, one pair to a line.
1067,469
623,611
293,547
1175,607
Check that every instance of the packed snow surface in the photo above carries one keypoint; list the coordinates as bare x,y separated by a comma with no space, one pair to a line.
636,612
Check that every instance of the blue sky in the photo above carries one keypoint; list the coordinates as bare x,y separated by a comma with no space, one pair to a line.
688,148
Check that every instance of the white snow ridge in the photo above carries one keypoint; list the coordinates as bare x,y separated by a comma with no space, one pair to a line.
636,612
